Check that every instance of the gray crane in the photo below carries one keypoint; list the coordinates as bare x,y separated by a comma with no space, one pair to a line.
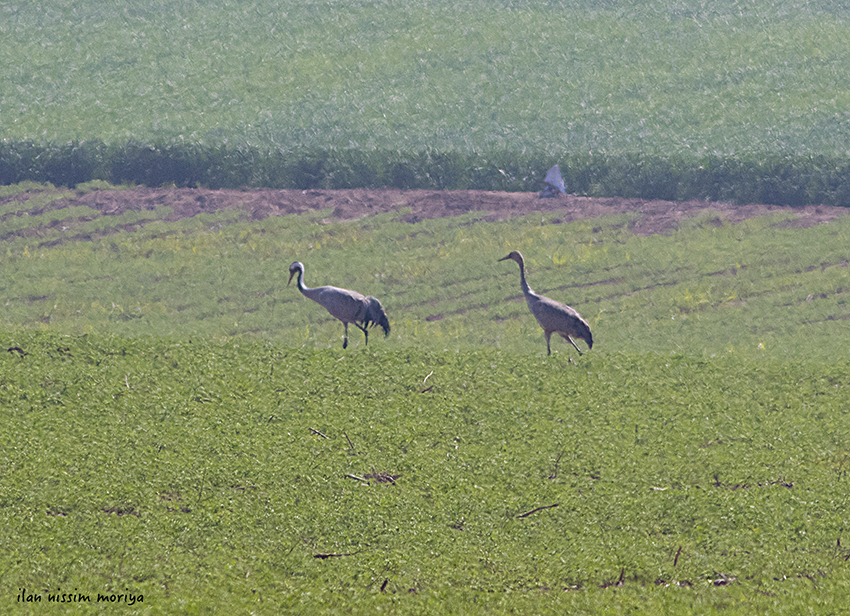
554,317
347,306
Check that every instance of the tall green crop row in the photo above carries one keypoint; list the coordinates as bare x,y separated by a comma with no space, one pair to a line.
771,179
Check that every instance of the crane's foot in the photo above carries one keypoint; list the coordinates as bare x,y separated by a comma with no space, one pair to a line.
345,343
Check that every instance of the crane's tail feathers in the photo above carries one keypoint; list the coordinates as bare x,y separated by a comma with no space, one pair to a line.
375,315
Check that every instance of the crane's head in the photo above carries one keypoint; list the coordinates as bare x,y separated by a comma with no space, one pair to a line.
296,267
515,255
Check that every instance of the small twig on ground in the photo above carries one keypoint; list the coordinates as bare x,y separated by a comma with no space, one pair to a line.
430,387
350,444
382,477
323,556
676,560
350,476
319,433
126,382
297,541
528,513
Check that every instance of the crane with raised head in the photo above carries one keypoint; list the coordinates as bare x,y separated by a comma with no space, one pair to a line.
348,306
554,317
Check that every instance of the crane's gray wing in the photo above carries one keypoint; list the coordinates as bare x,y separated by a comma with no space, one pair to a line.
343,304
557,317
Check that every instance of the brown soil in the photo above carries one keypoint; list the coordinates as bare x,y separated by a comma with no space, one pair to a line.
654,216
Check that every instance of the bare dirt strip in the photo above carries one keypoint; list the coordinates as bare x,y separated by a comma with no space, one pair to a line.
653,216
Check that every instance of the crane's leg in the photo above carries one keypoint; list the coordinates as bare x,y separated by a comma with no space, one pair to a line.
345,340
548,347
365,332
572,342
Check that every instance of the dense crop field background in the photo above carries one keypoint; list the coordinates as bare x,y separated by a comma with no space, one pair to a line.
662,77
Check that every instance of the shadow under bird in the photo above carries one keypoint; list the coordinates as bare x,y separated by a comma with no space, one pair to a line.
554,317
348,306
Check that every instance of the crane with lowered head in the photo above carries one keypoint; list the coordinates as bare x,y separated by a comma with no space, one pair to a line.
348,306
554,317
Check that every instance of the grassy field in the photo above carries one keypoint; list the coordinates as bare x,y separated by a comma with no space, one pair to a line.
182,433
669,77
180,427
759,289
246,476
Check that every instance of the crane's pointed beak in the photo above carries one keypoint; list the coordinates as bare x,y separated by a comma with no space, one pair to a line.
504,258
291,274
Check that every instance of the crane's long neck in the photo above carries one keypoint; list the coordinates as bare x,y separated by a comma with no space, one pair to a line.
305,290
526,290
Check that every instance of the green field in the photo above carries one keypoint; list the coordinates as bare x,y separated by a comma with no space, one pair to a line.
194,475
758,289
662,77
179,425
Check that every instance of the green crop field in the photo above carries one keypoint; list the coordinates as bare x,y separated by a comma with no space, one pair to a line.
183,433
667,77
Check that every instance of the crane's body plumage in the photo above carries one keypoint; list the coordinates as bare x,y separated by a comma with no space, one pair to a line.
554,317
344,304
